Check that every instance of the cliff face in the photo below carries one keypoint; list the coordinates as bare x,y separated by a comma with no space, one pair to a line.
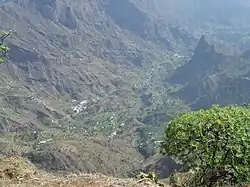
204,62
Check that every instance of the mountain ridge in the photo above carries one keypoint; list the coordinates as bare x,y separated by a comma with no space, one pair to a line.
78,73
214,77
100,72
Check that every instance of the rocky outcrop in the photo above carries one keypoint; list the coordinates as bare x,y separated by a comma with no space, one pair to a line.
205,61
213,78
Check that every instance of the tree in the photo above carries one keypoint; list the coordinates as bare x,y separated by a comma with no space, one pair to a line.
3,47
215,143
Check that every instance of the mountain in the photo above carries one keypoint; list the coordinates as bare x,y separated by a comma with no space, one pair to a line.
84,81
89,85
225,22
211,77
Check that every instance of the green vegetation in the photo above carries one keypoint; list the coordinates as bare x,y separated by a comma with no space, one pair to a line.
213,143
94,95
3,47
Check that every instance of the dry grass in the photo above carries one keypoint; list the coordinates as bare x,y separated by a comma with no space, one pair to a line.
15,171
18,172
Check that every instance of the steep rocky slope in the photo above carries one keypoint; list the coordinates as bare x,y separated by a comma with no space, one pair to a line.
87,79
82,82
225,22
211,77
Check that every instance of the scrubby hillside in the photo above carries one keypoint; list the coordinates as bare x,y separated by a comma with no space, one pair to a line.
84,81
86,86
16,171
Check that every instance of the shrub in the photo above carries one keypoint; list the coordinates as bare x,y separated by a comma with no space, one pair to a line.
215,143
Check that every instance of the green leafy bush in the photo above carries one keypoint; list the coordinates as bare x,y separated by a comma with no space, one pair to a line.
214,143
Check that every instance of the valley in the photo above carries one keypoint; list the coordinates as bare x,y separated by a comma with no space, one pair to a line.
89,86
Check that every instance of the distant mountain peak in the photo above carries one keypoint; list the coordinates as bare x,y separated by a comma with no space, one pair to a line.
203,63
204,47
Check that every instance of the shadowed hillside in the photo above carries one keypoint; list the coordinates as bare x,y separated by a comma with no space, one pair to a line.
88,86
211,77
86,72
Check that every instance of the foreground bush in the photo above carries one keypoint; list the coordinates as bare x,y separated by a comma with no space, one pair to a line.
213,143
